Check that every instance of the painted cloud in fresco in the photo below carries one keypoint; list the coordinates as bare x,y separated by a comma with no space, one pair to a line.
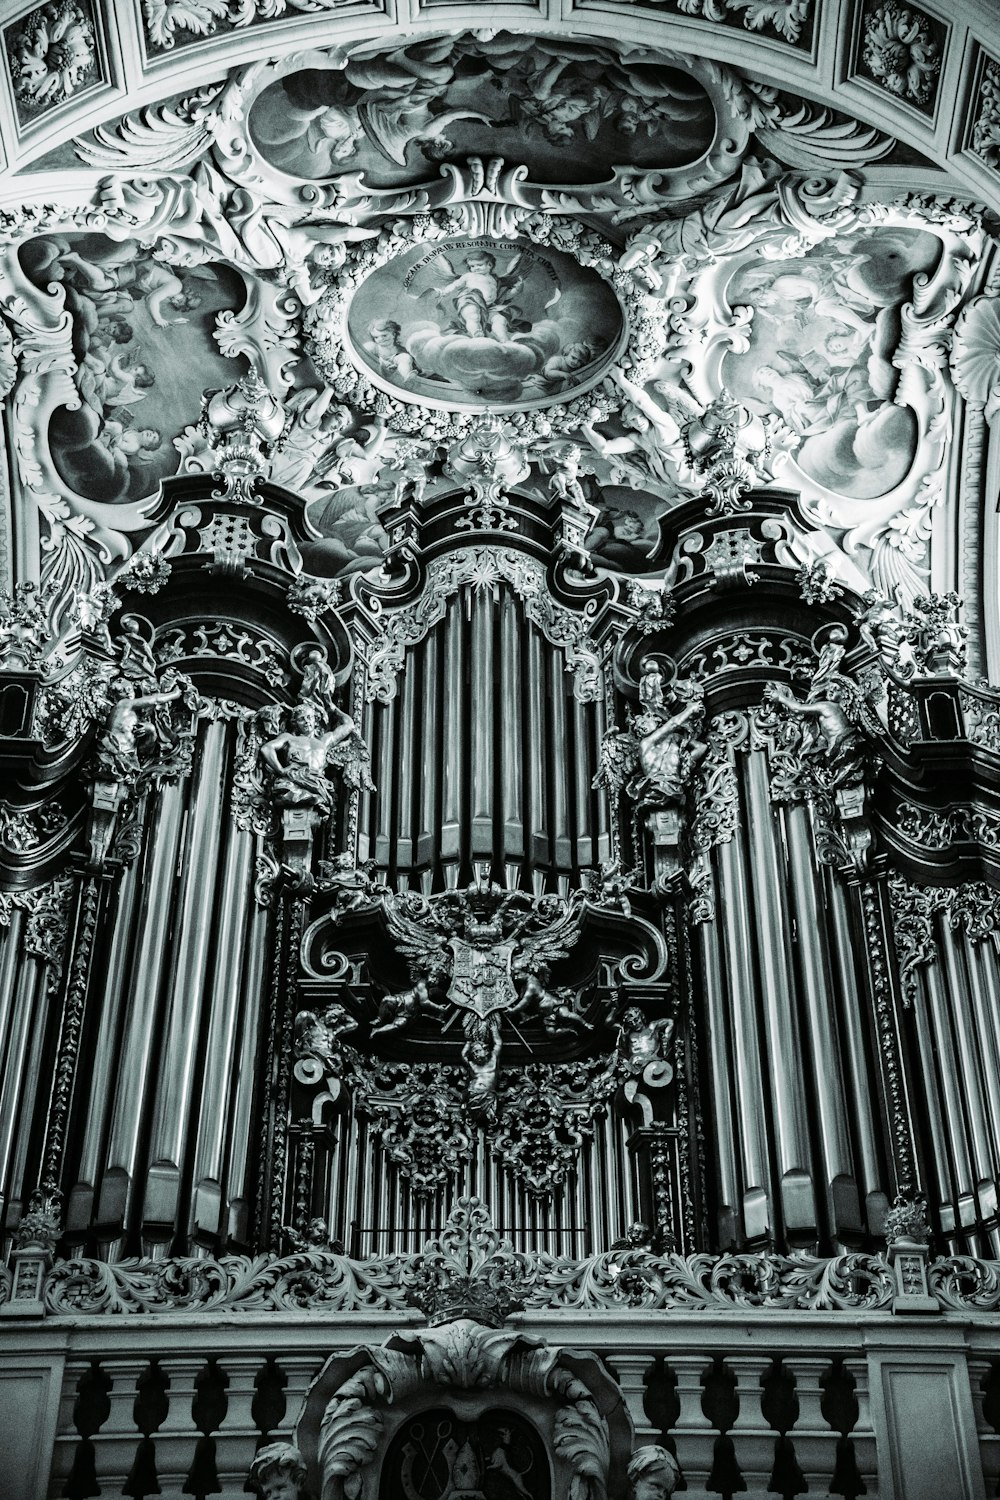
484,322
392,114
144,351
824,332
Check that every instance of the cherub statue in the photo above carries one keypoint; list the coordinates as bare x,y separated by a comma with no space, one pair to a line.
642,1048
137,662
118,746
565,482
400,1011
650,685
350,884
299,758
554,1008
652,1473
318,683
320,1036
278,1472
831,735
481,1055
609,885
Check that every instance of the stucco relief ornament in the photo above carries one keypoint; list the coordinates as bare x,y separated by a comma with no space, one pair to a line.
975,349
487,463
786,16
900,52
986,131
240,425
52,53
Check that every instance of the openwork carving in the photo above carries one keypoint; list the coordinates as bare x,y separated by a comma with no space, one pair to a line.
971,908
481,567
471,1272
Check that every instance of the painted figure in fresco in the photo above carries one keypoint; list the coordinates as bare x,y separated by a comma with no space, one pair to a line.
483,296
278,1472
619,537
315,122
133,338
823,341
652,1473
512,322
313,427
394,362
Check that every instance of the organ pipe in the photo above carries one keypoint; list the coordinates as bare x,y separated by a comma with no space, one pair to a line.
224,983
238,1151
747,1042
780,1020
482,740
182,1021
141,1021
858,1072
827,1073
111,1005
720,1075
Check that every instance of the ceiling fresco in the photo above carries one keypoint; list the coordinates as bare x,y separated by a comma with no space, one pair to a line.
656,277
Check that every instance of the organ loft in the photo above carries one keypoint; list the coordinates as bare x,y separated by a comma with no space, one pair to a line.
500,744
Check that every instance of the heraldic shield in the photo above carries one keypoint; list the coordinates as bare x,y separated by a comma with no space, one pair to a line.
481,979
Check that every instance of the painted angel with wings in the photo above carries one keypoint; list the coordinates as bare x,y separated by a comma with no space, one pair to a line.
483,296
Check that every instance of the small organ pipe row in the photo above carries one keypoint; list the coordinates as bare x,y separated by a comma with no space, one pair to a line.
955,1034
484,755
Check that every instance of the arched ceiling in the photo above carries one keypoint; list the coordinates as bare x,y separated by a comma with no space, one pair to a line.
782,200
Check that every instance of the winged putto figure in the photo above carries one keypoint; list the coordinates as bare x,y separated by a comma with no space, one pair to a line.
654,758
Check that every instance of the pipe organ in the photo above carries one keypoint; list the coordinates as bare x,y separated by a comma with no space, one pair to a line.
491,880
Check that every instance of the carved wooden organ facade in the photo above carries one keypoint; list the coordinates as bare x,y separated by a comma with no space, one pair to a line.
500,806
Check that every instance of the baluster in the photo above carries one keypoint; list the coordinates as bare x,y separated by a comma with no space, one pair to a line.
815,1443
693,1433
752,1437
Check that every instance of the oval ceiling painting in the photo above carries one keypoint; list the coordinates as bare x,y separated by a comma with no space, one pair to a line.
477,323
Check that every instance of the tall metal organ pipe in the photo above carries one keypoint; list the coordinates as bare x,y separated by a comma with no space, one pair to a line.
790,1062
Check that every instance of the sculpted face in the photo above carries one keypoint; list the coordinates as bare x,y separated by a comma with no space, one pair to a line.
279,1485
655,1485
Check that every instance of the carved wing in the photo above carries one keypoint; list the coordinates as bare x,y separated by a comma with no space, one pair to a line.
352,759
551,943
417,931
619,761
